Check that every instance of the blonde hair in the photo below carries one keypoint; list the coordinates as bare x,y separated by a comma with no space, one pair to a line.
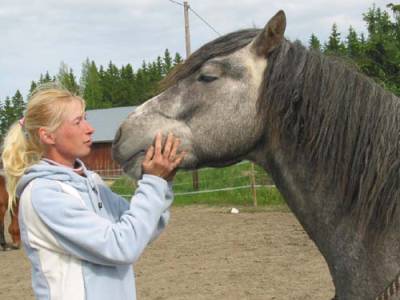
22,148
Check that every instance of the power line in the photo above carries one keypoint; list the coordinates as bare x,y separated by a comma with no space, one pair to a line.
205,22
176,2
200,17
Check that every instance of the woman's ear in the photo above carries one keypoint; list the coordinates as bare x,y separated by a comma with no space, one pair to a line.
46,137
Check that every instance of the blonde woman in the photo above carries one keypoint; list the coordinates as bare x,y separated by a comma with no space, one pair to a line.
80,237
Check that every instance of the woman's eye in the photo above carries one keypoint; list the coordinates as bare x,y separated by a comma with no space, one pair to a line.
207,78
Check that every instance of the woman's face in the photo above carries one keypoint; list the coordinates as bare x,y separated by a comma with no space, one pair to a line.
73,138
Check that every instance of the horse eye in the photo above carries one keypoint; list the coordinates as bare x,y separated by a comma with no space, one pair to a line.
207,78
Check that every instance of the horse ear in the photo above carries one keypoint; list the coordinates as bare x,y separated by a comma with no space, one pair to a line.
271,36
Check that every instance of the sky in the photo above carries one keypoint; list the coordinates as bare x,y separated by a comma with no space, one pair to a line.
37,35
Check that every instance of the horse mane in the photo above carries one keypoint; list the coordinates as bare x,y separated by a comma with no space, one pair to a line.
344,124
221,46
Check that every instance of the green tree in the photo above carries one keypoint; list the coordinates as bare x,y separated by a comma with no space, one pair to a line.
67,79
11,110
33,86
92,89
141,83
334,44
314,43
84,75
177,59
378,22
45,78
127,94
354,46
382,49
18,105
159,68
395,8
6,114
102,88
167,62
110,84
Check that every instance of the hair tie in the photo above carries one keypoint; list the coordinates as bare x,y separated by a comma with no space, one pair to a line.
22,121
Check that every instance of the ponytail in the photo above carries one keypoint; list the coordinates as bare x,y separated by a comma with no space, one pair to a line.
18,154
22,147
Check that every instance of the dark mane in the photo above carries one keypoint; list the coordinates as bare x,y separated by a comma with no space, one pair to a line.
224,45
344,124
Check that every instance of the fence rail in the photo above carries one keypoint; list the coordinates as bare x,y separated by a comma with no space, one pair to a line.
241,176
232,188
110,173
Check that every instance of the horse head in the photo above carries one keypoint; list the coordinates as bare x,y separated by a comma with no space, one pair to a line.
210,103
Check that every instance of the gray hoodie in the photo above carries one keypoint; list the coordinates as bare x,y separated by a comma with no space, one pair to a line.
82,238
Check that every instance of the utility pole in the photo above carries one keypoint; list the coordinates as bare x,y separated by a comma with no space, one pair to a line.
253,184
195,173
187,31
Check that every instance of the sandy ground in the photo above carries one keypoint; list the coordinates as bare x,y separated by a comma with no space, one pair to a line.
207,253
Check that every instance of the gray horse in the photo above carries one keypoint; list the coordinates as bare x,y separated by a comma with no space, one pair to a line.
328,136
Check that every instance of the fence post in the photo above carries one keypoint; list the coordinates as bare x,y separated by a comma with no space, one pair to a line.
253,184
195,178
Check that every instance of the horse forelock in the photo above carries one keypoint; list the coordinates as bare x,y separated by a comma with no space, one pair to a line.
344,124
221,46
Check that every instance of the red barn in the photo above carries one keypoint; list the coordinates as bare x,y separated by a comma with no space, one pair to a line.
105,122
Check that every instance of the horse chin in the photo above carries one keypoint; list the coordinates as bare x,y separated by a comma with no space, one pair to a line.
192,162
134,168
222,164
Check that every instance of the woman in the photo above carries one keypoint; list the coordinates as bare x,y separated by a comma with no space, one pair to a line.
80,237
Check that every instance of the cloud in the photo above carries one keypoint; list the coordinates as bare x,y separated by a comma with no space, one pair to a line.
38,34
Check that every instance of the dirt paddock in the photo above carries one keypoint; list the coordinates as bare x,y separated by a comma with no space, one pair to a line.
207,253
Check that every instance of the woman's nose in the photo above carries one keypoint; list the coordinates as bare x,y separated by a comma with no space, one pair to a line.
89,129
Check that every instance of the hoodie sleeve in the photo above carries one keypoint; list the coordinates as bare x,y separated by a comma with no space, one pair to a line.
165,216
121,204
118,203
84,234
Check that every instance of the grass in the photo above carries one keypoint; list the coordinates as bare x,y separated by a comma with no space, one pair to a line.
238,175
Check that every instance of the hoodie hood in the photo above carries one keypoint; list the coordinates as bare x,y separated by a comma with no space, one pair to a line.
46,170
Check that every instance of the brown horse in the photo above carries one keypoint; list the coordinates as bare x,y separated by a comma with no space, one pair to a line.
328,135
13,228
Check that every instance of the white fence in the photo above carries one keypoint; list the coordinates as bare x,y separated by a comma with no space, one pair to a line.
244,176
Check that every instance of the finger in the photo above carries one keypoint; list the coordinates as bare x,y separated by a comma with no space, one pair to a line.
168,145
175,147
149,153
158,143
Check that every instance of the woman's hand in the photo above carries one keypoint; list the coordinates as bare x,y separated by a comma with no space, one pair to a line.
163,162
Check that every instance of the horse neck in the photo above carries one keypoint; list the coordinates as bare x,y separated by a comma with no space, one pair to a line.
329,120
308,197
288,165
360,266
